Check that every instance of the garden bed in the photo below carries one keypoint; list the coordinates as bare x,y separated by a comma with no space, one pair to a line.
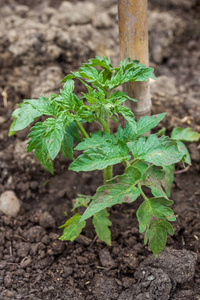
41,43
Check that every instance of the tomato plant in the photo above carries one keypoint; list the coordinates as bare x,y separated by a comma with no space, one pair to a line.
148,160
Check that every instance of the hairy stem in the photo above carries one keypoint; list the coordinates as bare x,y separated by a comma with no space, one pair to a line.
108,171
82,130
107,174
142,193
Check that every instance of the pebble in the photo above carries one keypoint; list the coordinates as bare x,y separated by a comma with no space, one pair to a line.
9,204
46,220
106,259
2,120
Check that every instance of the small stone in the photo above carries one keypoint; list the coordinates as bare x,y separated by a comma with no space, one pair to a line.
106,259
46,220
33,185
2,120
9,204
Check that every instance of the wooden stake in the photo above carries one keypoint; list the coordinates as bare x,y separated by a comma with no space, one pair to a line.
133,36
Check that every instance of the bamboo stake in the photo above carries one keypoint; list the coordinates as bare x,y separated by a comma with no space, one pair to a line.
133,36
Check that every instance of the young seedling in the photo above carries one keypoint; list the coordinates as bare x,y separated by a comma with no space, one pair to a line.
147,160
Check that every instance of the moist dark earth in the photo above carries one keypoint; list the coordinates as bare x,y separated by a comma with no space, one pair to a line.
40,42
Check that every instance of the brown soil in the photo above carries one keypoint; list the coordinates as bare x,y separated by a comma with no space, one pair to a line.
34,264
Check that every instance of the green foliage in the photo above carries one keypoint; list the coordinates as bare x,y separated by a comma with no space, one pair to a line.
149,161
185,135
120,189
158,151
153,216
101,224
72,228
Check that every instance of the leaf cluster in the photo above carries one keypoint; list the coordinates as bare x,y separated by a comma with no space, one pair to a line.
148,160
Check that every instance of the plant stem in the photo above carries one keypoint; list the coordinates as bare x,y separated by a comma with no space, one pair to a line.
107,174
133,161
142,193
82,130
108,171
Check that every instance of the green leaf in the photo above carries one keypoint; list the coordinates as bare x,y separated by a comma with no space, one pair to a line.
120,189
42,104
159,209
185,134
98,61
168,179
82,200
139,74
73,130
42,155
153,179
127,64
183,150
26,114
118,97
72,228
101,223
141,166
67,144
116,80
96,139
131,133
154,208
128,116
99,158
37,142
54,135
68,98
11,132
70,76
146,123
157,235
127,134
158,151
